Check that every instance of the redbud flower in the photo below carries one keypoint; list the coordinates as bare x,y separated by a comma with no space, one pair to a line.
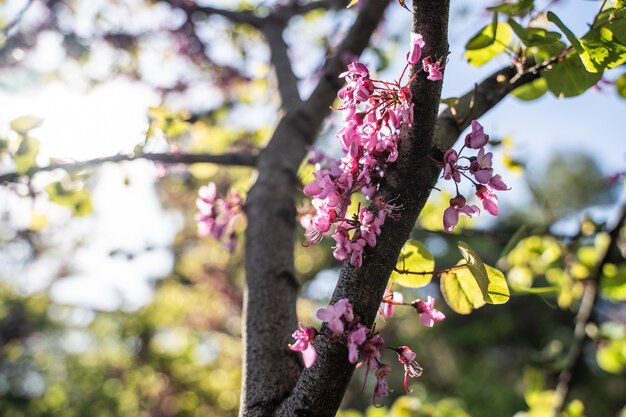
489,200
334,313
432,68
476,138
457,206
450,167
417,43
427,312
382,388
355,339
411,368
304,344
386,308
496,183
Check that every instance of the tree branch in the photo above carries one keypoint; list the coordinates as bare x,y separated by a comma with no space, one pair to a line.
408,182
270,369
235,158
483,97
7,28
583,317
286,80
234,16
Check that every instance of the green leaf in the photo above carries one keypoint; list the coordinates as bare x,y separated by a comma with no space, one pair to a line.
533,36
605,45
491,281
461,291
521,8
569,77
26,155
485,45
532,90
25,124
620,85
613,282
568,33
414,257
70,194
450,101
611,357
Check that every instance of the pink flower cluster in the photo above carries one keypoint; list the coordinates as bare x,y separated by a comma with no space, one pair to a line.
373,114
479,172
216,215
343,326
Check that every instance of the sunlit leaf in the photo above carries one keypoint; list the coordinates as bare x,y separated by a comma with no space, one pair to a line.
531,91
520,8
533,36
605,45
352,3
569,78
491,281
613,282
414,257
26,155
461,291
485,44
573,39
611,356
25,124
70,194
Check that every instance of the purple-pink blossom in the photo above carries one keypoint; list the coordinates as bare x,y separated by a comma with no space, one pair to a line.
355,339
476,139
457,206
427,313
415,51
305,337
336,315
217,215
411,368
489,200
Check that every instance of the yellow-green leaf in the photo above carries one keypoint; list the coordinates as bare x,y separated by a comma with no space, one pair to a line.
491,281
531,91
25,124
486,44
352,3
414,257
461,291
620,85
26,155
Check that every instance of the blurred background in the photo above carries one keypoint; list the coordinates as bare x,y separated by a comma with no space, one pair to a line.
110,305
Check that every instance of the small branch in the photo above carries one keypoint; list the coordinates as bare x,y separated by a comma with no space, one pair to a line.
286,80
234,16
483,97
6,29
236,159
436,272
583,317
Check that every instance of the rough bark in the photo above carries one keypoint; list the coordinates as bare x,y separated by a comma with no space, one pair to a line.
320,389
270,369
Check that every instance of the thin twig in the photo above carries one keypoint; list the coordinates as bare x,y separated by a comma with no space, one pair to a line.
235,158
5,30
583,317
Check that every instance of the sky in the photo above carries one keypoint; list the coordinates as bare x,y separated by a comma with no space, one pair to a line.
110,118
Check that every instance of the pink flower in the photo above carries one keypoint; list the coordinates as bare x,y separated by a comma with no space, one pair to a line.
457,206
334,313
476,138
450,167
433,69
386,308
480,166
356,257
496,183
427,312
417,43
411,368
355,339
382,388
304,344
489,200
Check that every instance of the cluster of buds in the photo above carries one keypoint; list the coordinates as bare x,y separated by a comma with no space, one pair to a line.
479,172
374,111
364,344
217,215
